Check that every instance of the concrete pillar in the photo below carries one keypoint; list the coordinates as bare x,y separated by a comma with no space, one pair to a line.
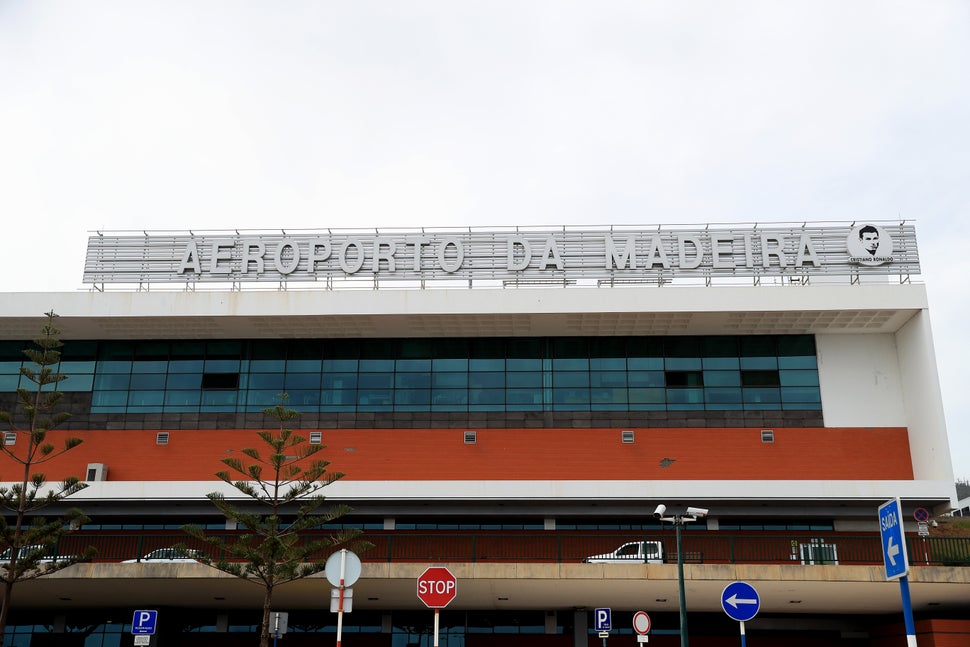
580,628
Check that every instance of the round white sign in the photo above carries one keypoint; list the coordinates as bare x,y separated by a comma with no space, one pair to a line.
351,568
641,622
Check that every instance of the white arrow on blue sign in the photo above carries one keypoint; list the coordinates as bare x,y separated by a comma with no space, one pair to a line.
143,622
893,540
603,619
740,601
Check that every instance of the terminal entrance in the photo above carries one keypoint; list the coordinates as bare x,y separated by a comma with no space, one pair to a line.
458,628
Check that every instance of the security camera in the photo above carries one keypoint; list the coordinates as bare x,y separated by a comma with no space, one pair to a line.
697,512
659,512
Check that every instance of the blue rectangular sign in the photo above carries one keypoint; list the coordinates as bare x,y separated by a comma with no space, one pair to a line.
603,620
893,539
143,622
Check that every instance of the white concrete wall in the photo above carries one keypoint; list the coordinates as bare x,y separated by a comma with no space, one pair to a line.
929,444
860,381
737,492
889,380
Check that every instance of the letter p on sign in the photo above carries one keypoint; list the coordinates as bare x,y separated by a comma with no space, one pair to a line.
603,619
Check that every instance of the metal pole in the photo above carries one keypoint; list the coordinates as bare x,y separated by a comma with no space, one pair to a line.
684,642
436,628
907,611
743,643
340,599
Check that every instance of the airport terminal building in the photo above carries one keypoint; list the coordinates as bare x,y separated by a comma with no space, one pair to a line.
508,402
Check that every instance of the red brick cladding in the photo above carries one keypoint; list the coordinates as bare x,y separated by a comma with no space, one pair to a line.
513,454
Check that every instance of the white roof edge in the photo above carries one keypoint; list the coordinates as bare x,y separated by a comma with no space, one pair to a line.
612,491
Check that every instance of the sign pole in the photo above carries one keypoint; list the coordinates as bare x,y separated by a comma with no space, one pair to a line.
743,643
436,628
907,611
340,600
684,641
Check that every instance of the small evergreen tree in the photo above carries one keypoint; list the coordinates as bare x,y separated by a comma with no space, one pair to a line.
271,549
26,540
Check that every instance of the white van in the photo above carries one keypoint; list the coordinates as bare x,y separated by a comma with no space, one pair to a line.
632,552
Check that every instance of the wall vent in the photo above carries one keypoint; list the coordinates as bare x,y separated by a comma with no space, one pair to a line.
161,438
10,438
767,435
627,437
316,437
96,472
471,437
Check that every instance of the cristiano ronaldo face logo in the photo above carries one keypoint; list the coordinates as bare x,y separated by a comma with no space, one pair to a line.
869,245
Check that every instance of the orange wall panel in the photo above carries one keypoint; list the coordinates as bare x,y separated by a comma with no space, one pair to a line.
508,454
929,633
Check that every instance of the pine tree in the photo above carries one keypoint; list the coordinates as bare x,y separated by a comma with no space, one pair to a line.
27,541
273,548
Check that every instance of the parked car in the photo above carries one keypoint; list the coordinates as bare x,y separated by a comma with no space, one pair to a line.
168,555
46,556
632,552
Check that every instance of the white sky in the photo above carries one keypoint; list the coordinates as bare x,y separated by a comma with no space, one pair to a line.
210,115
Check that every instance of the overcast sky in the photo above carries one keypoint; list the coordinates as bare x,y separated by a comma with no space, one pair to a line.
123,115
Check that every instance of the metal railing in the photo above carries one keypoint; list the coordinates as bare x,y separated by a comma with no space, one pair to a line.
567,547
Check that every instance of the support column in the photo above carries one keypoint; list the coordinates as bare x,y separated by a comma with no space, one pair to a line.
580,628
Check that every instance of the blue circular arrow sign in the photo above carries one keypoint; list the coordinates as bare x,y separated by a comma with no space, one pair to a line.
740,601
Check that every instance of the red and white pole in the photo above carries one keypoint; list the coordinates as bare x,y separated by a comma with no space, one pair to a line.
340,598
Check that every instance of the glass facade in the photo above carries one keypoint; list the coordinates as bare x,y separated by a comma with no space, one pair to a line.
714,373
108,628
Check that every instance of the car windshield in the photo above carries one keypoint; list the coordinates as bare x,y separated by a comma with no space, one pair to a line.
164,553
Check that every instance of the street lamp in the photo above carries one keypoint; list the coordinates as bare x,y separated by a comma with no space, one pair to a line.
692,514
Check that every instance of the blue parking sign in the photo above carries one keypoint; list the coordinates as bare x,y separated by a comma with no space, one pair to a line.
603,619
143,622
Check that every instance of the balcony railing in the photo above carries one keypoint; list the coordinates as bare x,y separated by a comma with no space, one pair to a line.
568,547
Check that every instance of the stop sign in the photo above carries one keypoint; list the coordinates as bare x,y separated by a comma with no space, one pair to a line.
437,587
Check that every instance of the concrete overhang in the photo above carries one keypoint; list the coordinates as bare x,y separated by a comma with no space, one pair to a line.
691,310
815,589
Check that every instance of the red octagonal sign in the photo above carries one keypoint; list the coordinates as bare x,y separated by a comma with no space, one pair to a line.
437,587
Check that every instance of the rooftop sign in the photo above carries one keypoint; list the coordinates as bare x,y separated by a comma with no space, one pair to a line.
567,255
